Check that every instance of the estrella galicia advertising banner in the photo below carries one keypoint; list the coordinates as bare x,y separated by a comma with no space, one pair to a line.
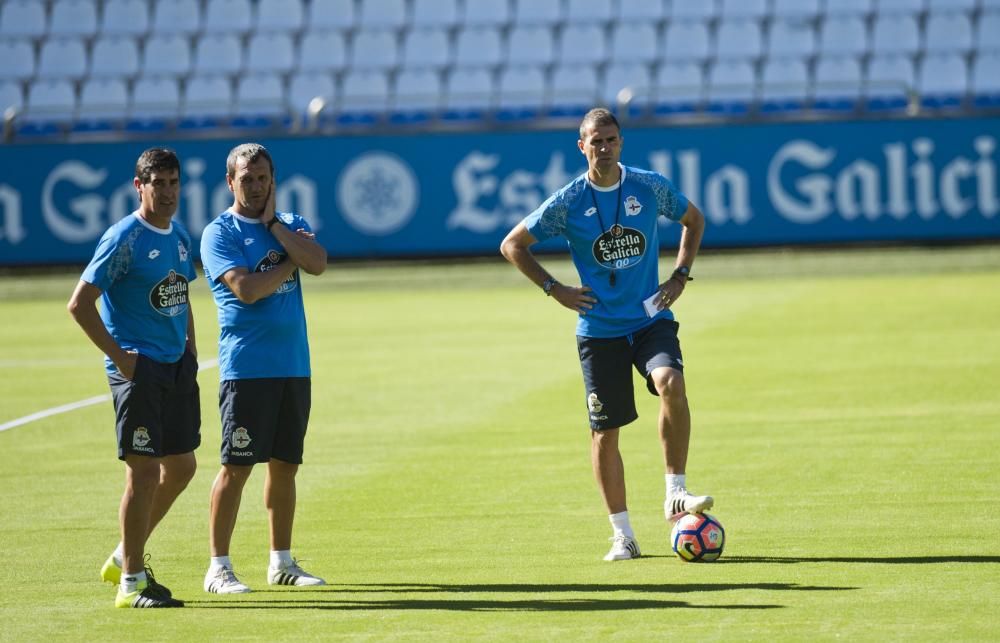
459,193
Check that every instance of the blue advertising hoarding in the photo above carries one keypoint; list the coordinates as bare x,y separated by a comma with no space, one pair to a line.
459,193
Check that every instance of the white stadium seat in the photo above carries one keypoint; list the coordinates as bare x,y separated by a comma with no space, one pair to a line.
537,12
217,53
943,79
114,57
582,43
322,51
19,59
702,10
495,13
73,18
230,17
988,32
270,52
125,18
155,97
685,41
590,11
985,81
434,13
286,16
796,9
843,36
574,89
784,84
848,7
896,7
791,38
521,90
743,9
22,18
209,96
374,49
634,42
469,92
426,47
478,47
895,34
837,82
260,95
103,99
382,14
305,86
50,100
176,16
418,91
11,96
530,45
731,85
364,91
890,80
636,78
738,39
635,12
952,5
679,87
332,14
62,58
948,33
166,55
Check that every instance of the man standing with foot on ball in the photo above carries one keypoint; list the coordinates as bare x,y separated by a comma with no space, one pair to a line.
610,217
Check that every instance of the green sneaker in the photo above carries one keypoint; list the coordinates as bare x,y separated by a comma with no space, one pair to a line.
144,596
111,572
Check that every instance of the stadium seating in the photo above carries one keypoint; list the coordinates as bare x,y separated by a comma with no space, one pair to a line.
488,60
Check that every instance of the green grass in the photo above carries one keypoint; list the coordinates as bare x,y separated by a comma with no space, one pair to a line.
846,418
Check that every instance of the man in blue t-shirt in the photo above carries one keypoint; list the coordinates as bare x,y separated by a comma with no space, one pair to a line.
145,327
252,256
609,217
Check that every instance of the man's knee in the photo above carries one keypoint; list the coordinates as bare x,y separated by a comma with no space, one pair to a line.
669,384
178,470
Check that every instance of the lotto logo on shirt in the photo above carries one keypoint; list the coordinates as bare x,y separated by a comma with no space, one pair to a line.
170,296
269,262
619,247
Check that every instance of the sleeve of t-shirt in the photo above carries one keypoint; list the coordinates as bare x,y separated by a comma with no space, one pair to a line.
219,253
670,202
110,262
185,238
294,221
549,220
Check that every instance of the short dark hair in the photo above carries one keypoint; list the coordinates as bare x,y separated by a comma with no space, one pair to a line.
153,160
249,151
598,117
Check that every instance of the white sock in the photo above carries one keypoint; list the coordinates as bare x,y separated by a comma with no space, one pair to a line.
220,561
131,582
119,554
620,524
675,481
281,558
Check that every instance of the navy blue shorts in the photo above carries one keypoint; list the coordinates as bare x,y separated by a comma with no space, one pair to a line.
607,370
264,418
158,411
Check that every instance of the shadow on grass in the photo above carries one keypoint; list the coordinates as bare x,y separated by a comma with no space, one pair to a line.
339,597
887,560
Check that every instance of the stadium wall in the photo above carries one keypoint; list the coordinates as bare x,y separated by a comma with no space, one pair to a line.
458,193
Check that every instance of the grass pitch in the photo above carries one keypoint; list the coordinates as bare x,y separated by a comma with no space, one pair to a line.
846,418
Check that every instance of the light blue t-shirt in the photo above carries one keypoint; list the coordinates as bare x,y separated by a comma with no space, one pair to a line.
577,212
143,274
268,337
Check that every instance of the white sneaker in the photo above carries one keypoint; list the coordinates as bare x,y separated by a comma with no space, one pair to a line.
682,502
623,548
292,575
222,580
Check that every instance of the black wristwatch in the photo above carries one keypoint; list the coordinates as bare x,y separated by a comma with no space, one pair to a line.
683,273
548,285
270,224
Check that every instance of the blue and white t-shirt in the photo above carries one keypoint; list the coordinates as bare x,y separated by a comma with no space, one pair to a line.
268,337
631,250
143,273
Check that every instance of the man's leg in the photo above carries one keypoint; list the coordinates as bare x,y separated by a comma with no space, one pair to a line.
675,437
142,474
675,418
227,492
176,471
609,470
279,498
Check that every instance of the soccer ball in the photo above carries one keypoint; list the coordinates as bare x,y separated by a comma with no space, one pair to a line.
698,538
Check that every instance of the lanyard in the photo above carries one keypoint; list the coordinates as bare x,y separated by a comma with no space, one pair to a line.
616,230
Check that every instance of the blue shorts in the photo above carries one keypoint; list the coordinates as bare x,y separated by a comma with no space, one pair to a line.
264,418
607,370
158,411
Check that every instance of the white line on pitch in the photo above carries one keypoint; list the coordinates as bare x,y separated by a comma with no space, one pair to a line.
72,406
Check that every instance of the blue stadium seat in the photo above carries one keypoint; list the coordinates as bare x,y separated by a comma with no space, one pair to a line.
230,17
743,9
125,18
591,11
435,14
176,17
493,13
22,19
791,39
114,57
382,14
948,33
74,18
537,12
738,40
426,48
843,36
858,8
11,96
332,14
18,56
283,16
987,37
62,58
